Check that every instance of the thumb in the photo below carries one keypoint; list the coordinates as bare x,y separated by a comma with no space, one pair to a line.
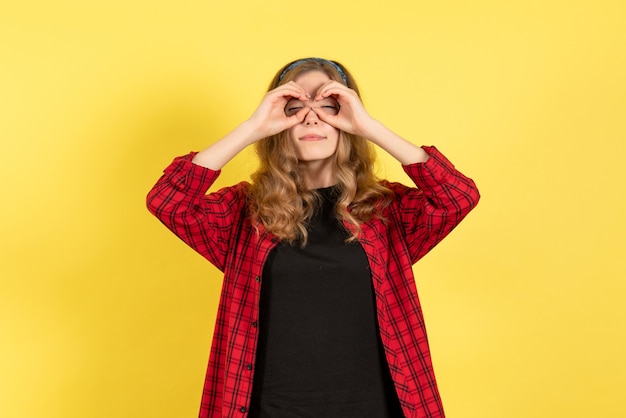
297,118
332,120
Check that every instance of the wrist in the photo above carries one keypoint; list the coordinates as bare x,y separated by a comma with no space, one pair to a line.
248,132
374,131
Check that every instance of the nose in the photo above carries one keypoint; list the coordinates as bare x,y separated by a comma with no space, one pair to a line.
311,117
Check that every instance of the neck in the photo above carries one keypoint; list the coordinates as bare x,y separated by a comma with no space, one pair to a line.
318,174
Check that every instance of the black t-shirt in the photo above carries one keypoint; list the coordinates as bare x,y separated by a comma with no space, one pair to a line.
319,352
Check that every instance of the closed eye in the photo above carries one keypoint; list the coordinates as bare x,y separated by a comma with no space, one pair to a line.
292,110
331,109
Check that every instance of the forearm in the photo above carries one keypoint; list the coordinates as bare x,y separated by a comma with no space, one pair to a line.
217,155
399,148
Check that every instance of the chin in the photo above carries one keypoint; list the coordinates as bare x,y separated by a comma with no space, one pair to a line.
309,158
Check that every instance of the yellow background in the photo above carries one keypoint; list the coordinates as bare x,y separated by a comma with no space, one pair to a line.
104,313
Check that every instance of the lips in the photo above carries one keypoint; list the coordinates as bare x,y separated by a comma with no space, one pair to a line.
312,137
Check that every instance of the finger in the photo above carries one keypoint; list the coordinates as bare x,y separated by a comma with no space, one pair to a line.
340,94
286,95
291,89
332,88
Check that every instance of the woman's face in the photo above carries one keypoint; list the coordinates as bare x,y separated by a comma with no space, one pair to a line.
314,140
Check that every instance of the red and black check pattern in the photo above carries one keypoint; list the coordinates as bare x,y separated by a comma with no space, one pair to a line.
218,227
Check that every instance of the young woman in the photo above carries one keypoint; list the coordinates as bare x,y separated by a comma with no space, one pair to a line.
319,314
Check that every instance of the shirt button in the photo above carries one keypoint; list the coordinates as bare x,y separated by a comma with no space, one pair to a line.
249,367
242,409
255,324
257,278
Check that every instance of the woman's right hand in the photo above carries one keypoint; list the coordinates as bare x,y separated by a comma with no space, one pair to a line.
269,118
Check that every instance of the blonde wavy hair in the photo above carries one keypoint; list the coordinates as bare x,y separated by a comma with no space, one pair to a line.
279,199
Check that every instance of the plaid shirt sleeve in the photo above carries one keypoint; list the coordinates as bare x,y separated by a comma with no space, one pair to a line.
202,221
442,199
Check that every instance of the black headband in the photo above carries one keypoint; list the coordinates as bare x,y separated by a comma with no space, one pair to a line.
322,60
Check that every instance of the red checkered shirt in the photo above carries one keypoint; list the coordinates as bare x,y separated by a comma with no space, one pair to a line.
218,227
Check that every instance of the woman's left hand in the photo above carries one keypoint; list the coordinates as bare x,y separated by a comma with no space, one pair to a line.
352,116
